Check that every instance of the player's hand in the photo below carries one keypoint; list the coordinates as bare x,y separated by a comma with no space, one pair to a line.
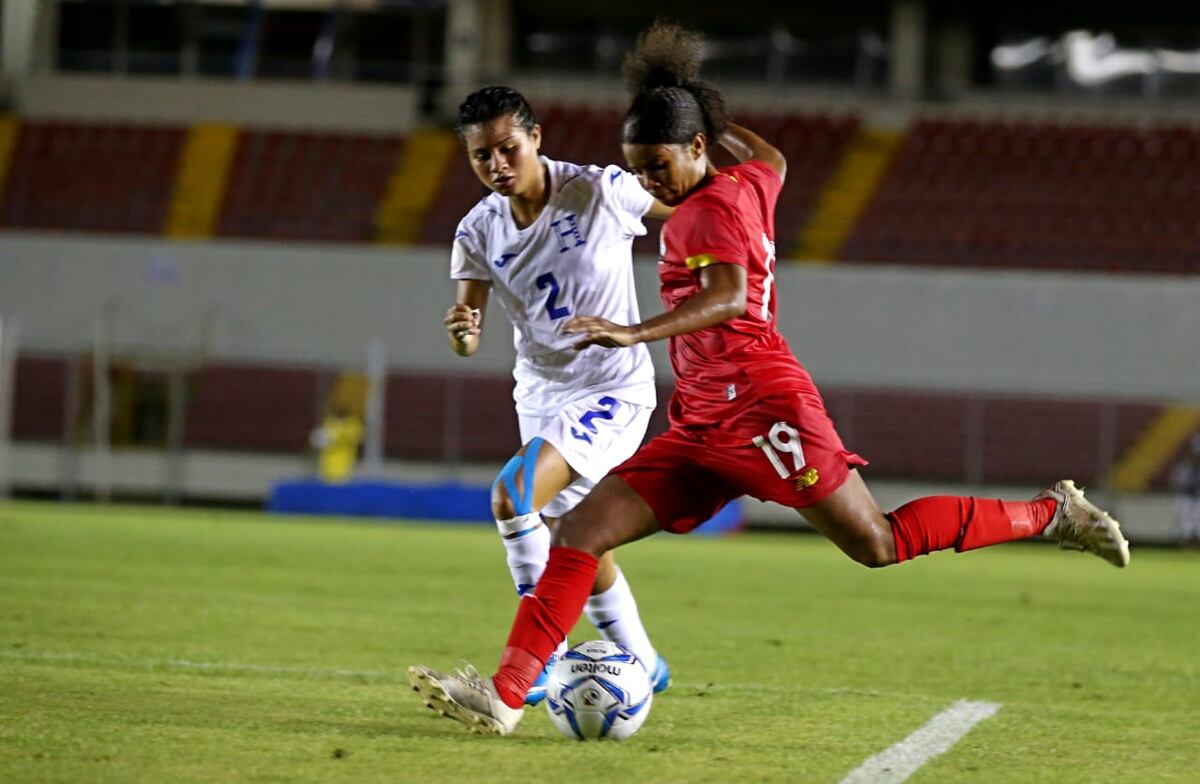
600,332
461,321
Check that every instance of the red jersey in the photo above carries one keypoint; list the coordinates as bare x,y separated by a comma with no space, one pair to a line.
720,370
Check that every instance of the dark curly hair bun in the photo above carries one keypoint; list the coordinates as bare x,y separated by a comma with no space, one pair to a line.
671,103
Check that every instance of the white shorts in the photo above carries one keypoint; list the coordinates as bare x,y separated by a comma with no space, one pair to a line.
593,434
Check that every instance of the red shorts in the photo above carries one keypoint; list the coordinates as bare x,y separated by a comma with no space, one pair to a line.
782,449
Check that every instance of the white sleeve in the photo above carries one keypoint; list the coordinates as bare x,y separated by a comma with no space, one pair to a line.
467,262
627,198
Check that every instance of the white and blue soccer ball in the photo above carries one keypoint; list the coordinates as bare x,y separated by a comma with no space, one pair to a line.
598,691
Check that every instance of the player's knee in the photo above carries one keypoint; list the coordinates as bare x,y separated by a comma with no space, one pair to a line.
503,507
510,495
874,552
573,532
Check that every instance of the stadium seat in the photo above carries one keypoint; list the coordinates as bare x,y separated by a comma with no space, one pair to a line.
91,177
946,436
307,186
1047,195
40,390
252,408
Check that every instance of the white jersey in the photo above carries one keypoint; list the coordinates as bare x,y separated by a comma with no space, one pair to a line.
575,259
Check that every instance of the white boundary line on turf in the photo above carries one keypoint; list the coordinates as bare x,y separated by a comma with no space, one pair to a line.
88,659
939,734
185,664
94,660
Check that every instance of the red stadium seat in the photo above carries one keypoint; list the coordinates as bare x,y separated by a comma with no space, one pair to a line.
91,177
307,186
1047,195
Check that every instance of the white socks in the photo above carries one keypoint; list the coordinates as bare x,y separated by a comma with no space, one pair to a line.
528,553
527,542
614,613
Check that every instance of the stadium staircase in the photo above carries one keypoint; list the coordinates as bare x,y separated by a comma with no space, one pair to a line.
846,195
8,140
203,173
413,186
1159,445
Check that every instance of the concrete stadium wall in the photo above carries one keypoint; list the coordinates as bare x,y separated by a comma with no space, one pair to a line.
173,101
1040,334
1022,332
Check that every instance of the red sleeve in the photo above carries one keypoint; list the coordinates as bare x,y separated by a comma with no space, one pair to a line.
713,232
765,181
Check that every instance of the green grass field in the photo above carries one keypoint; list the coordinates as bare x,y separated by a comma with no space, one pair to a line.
157,645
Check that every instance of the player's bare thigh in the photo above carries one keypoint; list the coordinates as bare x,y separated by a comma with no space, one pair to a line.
611,515
850,518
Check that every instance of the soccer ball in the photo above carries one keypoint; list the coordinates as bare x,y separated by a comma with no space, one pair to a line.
598,691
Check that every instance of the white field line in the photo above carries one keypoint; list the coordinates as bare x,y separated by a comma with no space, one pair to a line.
939,734
82,659
185,664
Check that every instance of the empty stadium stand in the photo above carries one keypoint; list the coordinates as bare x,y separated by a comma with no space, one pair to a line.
39,411
91,177
958,192
947,436
307,186
813,144
589,135
252,408
456,195
1066,196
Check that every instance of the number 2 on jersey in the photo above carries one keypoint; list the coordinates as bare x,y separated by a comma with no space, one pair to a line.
556,312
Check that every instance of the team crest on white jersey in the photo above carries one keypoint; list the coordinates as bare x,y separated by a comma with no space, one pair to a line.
574,259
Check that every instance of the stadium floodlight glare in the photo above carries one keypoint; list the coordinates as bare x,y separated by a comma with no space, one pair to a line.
1010,57
1093,59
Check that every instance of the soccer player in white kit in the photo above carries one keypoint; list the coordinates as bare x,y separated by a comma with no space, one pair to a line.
553,240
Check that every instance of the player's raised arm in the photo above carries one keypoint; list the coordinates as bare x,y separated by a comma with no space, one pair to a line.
746,145
464,319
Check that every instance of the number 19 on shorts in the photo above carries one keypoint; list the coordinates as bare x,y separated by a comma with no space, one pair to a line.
782,440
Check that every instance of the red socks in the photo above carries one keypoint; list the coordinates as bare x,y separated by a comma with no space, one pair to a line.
942,521
544,616
549,612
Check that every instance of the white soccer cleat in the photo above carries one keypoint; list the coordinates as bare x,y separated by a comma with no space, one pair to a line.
1079,524
466,696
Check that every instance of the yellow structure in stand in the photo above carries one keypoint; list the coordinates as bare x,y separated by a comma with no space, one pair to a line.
338,438
847,194
203,173
337,441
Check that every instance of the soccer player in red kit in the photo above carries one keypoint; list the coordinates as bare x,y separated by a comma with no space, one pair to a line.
746,417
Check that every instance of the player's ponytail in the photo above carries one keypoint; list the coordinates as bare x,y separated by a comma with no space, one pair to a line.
671,103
